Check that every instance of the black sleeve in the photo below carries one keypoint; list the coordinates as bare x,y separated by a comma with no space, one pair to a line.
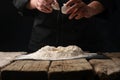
21,7
20,4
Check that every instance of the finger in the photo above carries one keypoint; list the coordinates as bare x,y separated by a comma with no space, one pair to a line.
55,1
77,5
72,8
44,7
72,15
50,1
45,4
76,14
71,2
48,7
77,11
47,1
80,14
43,10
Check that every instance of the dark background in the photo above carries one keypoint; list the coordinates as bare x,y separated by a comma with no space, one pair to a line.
15,29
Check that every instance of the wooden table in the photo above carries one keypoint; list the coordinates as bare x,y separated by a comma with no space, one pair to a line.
7,57
107,69
77,69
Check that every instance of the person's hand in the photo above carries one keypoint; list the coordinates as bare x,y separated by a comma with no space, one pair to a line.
93,8
78,9
41,5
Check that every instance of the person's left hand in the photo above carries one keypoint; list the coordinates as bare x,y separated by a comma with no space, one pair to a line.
77,9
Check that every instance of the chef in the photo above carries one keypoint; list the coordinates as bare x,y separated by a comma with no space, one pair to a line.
76,26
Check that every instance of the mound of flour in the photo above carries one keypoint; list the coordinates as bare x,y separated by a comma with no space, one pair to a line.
54,53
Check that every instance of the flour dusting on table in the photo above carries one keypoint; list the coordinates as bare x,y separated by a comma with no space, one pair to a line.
55,53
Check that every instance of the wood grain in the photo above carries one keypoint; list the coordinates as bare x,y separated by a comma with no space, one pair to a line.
106,69
70,70
26,70
115,57
8,57
80,69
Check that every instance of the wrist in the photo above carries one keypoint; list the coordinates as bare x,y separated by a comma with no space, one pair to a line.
94,8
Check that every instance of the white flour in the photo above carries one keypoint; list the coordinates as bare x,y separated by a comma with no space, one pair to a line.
55,53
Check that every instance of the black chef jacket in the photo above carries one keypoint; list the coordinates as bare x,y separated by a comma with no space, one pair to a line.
56,29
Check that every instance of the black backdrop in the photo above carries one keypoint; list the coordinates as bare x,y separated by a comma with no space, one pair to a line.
15,29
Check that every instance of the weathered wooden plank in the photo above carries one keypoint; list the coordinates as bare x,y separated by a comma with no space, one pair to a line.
71,70
15,66
7,57
117,61
106,69
113,54
26,70
115,57
36,66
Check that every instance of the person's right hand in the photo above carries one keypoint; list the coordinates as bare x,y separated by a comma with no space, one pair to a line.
41,5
